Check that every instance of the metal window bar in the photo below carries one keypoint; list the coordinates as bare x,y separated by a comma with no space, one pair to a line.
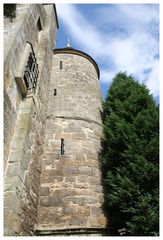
31,73
27,79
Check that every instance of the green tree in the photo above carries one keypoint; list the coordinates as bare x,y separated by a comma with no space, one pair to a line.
130,158
10,11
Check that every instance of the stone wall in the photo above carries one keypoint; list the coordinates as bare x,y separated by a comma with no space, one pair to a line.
25,117
71,194
16,34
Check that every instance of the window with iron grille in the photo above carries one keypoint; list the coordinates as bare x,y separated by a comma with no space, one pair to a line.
31,73
27,72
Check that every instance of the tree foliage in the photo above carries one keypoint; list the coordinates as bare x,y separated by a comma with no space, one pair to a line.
10,11
130,158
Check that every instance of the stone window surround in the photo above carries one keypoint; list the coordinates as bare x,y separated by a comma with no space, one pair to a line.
20,73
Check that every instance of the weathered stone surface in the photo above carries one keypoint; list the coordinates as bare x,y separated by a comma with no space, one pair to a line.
44,191
97,188
94,180
64,192
90,200
73,115
85,170
96,172
96,211
52,178
25,118
78,221
68,194
55,214
70,170
45,201
13,169
56,201
70,179
12,221
83,211
75,200
52,173
97,221
82,179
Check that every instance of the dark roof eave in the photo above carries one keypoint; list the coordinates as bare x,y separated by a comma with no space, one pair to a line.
55,10
70,50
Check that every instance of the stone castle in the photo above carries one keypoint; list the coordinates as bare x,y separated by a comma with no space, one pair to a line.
52,131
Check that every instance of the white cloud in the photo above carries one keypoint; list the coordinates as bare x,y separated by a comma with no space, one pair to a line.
82,31
121,37
106,75
153,80
143,13
134,54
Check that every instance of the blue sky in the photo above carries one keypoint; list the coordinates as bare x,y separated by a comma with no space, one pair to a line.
120,37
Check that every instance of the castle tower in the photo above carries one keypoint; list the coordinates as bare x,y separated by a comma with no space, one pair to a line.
71,194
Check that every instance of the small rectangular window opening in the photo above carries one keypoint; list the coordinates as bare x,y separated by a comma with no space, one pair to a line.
39,25
62,146
55,92
61,65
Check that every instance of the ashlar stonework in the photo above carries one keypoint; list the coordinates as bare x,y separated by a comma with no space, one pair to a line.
25,116
52,134
71,194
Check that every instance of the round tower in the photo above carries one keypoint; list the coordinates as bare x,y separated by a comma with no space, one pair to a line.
71,194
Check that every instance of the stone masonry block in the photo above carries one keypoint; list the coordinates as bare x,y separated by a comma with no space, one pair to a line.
17,155
70,179
44,191
12,220
97,221
83,211
78,221
45,201
64,192
74,200
56,201
96,211
90,200
85,170
51,179
13,169
97,188
82,179
70,170
94,181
